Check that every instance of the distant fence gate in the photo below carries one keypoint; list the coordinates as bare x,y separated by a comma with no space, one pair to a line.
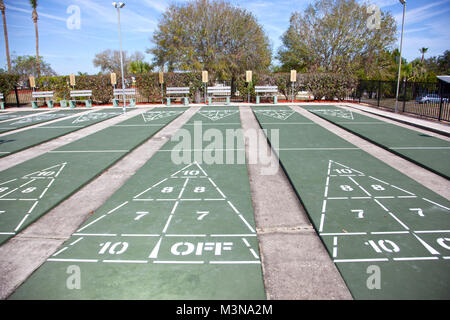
426,99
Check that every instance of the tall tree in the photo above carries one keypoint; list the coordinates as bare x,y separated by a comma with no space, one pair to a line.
5,30
211,35
25,66
334,36
35,19
109,60
423,51
139,66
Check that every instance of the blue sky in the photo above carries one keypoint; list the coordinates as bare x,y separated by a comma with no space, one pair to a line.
72,50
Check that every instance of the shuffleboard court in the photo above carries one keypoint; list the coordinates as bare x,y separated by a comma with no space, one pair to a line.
25,139
14,124
32,188
172,231
427,151
368,215
8,115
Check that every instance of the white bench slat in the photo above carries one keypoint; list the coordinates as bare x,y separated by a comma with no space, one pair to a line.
177,90
219,90
269,89
42,94
81,93
127,92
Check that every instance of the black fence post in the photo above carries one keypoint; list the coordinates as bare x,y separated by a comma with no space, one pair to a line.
17,96
440,102
379,93
404,95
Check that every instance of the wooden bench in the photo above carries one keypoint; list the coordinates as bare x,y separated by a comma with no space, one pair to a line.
177,91
267,91
80,93
2,103
42,94
127,92
219,92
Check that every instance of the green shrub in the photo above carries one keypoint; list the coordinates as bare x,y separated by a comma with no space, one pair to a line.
7,83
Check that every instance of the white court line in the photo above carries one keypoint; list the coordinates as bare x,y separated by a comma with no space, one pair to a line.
235,262
125,261
72,260
76,241
402,190
33,206
426,245
389,232
439,205
88,151
6,233
167,224
246,242
21,222
186,235
324,206
379,180
96,234
360,260
150,188
254,253
138,235
343,234
178,262
398,220
234,235
245,221
381,205
322,219
433,231
415,258
118,207
420,148
62,250
8,181
233,207
101,217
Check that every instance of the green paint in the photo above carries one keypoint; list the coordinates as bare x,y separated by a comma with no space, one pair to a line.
76,169
422,149
25,139
35,119
352,174
164,210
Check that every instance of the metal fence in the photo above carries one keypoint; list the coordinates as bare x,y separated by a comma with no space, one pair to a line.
426,99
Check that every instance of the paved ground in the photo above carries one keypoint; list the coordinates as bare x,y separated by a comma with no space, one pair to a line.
206,253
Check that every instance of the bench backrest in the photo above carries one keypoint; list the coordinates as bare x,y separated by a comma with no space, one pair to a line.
219,90
266,89
127,92
1,95
42,94
81,93
177,90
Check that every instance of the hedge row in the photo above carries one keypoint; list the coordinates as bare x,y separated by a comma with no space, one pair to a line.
7,83
321,85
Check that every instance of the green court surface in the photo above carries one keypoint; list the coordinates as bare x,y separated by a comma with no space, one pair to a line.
25,139
32,188
4,116
14,124
429,152
368,215
172,231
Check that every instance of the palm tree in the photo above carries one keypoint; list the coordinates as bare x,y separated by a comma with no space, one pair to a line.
35,19
2,8
423,51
